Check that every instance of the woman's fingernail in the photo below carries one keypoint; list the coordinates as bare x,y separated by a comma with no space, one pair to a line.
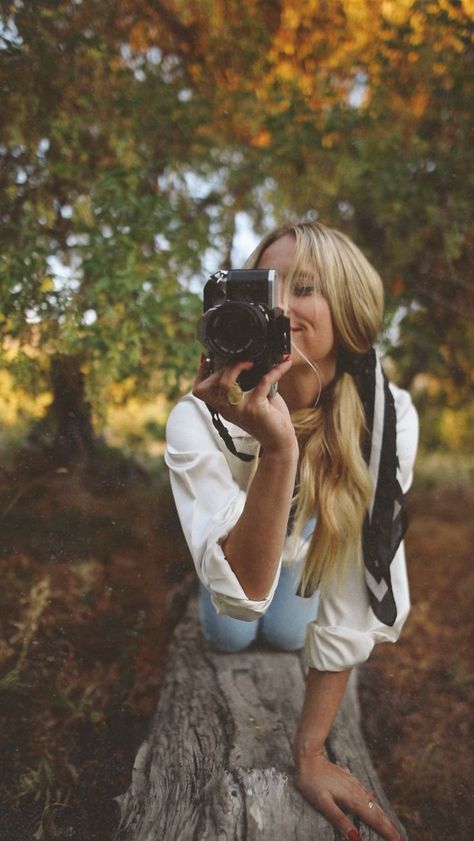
287,357
353,835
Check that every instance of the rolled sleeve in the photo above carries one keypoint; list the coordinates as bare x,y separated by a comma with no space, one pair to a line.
346,628
209,500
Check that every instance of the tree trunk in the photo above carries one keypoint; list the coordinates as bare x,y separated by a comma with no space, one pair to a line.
217,763
71,413
65,436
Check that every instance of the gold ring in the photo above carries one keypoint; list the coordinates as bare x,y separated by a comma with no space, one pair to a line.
235,394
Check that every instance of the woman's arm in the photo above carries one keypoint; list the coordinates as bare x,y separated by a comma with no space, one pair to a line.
253,546
330,788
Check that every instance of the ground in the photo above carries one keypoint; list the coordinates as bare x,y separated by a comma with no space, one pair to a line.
417,695
91,562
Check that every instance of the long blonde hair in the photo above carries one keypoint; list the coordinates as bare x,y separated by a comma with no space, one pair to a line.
333,482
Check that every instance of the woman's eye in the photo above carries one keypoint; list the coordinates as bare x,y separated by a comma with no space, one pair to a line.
300,290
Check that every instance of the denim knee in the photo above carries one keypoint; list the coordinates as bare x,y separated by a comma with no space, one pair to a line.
285,622
283,638
224,632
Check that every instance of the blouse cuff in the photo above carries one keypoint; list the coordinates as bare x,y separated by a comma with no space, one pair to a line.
227,594
334,649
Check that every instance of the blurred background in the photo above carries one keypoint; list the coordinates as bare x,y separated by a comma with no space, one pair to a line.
142,146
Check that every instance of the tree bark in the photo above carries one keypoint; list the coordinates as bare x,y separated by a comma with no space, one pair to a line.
217,763
71,413
65,435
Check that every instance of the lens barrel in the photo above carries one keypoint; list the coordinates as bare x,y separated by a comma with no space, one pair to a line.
235,329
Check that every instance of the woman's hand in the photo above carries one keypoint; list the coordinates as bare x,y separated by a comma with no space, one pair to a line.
263,416
334,791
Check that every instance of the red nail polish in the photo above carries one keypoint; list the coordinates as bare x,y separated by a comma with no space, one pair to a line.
287,357
353,835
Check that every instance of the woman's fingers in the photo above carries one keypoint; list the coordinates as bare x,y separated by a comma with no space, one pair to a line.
274,374
374,816
203,372
331,811
213,387
230,374
366,807
337,794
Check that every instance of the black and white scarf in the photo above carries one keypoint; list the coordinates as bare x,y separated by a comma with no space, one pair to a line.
386,520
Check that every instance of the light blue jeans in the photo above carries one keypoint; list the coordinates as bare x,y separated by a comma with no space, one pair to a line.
283,626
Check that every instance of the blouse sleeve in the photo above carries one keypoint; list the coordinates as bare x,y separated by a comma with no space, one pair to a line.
209,501
346,629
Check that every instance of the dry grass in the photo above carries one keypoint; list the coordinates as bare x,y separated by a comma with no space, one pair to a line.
418,695
88,566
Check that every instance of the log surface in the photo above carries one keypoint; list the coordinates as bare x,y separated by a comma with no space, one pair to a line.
217,764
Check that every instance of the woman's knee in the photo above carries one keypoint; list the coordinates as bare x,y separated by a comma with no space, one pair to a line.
224,633
283,639
285,622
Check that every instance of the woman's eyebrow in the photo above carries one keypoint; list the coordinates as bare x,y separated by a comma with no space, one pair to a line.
308,277
305,276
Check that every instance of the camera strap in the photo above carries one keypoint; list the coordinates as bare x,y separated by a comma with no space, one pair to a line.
226,436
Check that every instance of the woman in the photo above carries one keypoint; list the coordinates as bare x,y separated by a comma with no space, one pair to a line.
302,545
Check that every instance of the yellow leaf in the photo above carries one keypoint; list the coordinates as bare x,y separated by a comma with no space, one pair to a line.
46,284
397,11
291,18
262,139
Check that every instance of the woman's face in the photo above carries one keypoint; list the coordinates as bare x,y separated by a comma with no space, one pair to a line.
310,317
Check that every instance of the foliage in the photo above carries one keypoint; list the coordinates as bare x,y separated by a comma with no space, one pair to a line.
135,133
89,157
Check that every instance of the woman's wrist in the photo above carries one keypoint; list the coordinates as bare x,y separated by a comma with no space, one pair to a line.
306,749
285,449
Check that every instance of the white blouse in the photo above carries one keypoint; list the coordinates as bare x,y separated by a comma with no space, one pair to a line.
209,486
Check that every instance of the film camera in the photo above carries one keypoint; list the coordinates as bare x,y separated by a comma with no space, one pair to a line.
241,320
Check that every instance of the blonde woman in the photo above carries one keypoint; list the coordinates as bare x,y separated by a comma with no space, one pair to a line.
303,546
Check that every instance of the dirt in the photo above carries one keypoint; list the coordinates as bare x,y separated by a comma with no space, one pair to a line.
90,565
417,695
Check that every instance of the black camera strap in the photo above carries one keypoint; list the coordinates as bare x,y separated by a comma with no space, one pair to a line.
226,436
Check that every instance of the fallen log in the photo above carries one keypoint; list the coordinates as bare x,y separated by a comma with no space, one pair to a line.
217,763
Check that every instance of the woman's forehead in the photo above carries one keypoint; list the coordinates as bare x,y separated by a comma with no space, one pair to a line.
284,255
282,251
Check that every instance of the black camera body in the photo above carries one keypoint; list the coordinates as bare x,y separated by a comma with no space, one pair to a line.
241,320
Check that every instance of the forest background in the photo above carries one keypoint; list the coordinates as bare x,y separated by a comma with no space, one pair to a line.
143,145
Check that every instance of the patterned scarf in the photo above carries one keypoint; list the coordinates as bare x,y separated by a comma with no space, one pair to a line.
386,520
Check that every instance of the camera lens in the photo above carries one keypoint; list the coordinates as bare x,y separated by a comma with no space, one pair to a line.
232,331
237,330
